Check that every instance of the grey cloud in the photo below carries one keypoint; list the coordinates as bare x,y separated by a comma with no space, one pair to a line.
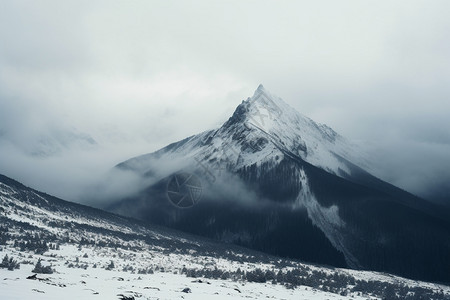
135,76
419,167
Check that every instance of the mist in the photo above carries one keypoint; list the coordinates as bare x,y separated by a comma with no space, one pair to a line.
86,85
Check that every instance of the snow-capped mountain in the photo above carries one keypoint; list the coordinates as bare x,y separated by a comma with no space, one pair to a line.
274,180
263,128
54,249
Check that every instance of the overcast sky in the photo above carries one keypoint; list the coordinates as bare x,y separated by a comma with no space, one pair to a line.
87,84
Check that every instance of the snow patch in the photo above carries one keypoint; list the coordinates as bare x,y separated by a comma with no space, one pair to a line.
325,218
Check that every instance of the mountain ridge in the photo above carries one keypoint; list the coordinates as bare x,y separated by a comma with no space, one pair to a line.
307,185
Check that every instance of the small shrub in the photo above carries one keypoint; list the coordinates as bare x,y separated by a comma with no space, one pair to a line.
40,269
110,266
9,263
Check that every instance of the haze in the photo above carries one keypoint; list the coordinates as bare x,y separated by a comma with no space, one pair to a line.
85,85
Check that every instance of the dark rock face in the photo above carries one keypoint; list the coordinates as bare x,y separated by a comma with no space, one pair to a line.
384,230
273,199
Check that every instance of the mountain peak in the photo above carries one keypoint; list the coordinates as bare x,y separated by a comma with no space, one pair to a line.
261,91
263,99
260,87
268,116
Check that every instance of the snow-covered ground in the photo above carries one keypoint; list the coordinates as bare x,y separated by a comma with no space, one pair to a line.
99,283
83,273
98,255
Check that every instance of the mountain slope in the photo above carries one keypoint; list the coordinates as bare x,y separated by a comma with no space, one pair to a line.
276,181
87,253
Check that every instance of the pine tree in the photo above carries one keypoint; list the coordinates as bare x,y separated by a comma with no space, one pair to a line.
110,266
39,268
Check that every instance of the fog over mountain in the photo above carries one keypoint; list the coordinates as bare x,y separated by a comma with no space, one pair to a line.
85,85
